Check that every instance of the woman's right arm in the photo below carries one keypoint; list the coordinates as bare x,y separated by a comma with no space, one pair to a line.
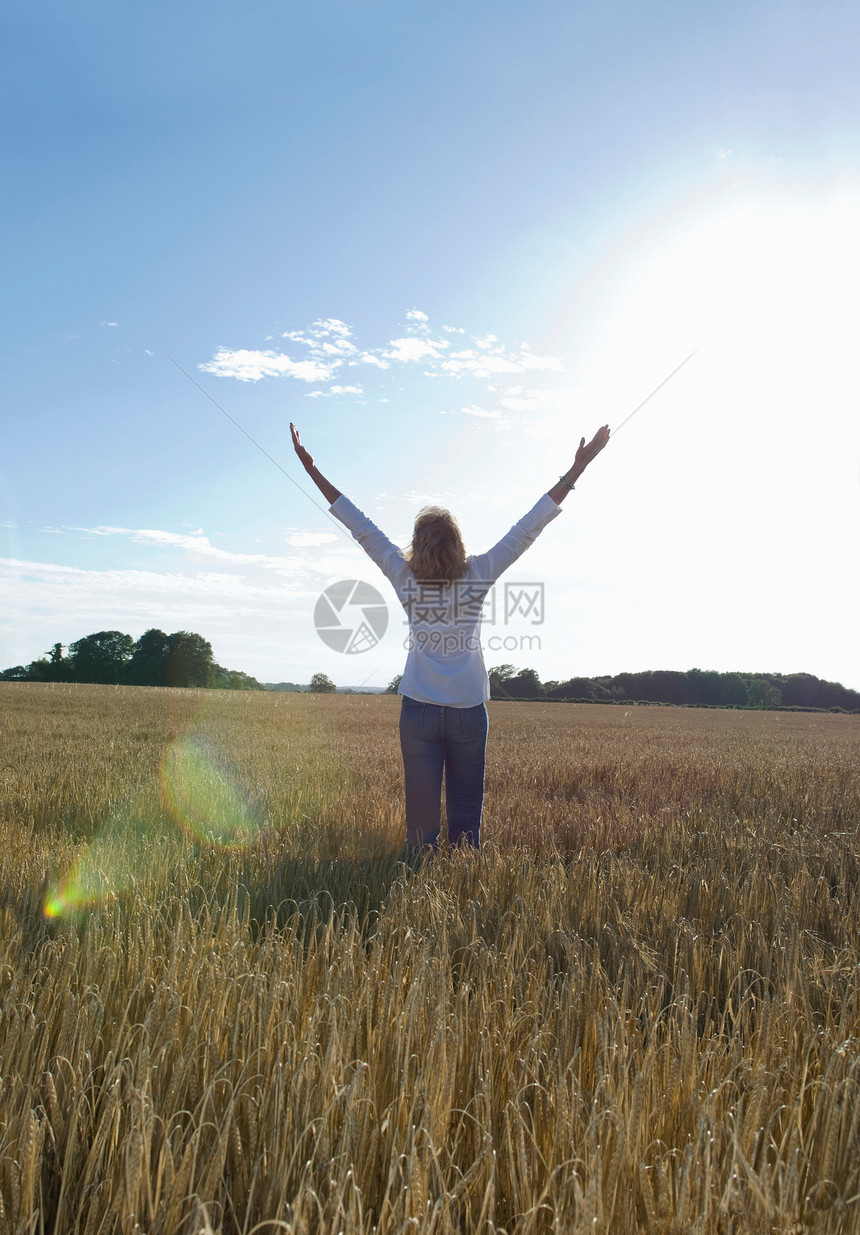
326,488
375,543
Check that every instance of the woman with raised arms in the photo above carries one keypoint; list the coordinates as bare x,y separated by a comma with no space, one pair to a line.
445,688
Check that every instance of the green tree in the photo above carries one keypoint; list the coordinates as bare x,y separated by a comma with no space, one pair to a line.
150,659
524,685
40,670
234,679
394,685
498,677
733,690
58,669
190,660
321,684
762,693
573,688
101,657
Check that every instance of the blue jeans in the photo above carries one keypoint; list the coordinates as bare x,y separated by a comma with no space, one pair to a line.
434,738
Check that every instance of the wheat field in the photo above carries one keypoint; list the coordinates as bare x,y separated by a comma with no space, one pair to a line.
228,1005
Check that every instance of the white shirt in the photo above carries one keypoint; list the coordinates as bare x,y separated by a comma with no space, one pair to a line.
445,664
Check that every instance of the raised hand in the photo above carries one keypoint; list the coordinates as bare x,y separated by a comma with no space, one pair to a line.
326,488
585,454
304,455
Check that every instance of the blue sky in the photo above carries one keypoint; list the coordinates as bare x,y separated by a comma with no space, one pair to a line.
446,240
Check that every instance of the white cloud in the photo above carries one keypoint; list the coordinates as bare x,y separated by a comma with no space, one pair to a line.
250,366
409,349
304,540
198,545
428,499
330,345
514,403
484,363
107,323
499,421
482,412
480,365
331,337
546,363
333,325
44,601
341,348
520,399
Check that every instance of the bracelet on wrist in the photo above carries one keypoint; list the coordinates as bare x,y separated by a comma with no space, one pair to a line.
566,483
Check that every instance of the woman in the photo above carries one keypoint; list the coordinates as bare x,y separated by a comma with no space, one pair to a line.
445,688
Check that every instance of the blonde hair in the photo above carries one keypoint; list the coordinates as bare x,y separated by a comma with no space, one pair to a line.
437,553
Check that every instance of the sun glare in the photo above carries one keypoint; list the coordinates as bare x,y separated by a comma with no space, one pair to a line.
764,275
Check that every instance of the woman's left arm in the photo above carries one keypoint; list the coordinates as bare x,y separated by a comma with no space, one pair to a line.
584,455
326,488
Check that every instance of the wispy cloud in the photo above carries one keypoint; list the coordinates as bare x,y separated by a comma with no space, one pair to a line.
499,420
411,348
337,550
480,412
335,390
250,366
260,623
523,399
304,540
490,360
319,352
66,602
199,546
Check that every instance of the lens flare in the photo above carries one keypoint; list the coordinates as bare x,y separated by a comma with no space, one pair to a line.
81,889
201,798
131,845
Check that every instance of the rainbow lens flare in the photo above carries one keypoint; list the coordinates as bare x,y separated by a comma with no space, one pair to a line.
130,846
200,797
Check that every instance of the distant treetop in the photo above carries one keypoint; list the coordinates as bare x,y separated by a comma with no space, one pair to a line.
156,659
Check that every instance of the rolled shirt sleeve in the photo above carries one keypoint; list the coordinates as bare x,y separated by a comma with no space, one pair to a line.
388,557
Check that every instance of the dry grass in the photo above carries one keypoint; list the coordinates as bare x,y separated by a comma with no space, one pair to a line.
637,1010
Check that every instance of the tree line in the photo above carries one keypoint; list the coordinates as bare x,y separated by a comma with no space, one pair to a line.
185,659
693,688
155,659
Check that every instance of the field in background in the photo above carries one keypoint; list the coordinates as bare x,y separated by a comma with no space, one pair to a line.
227,1005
